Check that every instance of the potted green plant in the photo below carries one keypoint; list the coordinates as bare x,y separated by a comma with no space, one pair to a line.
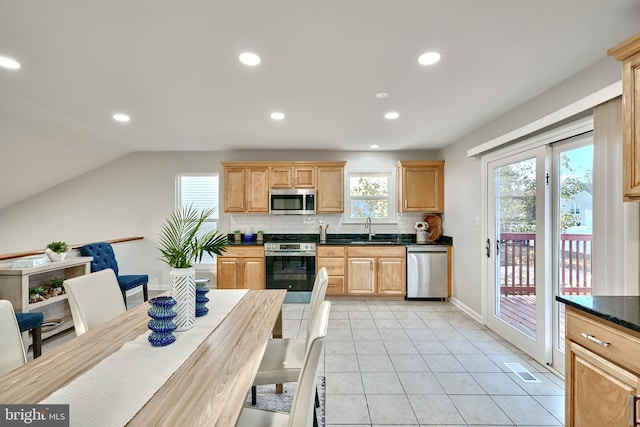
182,244
55,286
260,237
57,251
237,236
35,294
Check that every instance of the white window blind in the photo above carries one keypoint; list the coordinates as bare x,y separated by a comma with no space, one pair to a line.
201,192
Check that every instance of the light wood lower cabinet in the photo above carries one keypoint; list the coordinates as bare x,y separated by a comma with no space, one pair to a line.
376,271
332,258
601,372
241,267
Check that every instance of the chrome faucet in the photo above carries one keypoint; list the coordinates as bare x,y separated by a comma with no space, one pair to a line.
367,225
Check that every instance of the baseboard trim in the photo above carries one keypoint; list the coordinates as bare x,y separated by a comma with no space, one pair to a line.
476,316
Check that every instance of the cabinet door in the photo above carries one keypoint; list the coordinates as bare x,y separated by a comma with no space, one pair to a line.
228,272
304,177
330,190
422,189
391,276
360,276
253,273
335,285
281,177
631,127
234,189
598,391
257,190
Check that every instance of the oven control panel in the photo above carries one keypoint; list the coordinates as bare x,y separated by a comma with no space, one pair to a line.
294,247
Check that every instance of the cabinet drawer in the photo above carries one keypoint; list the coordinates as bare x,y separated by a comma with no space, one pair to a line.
334,266
335,285
244,251
604,340
330,251
377,251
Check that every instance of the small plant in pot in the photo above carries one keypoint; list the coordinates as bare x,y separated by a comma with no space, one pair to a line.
55,287
181,245
57,251
35,294
237,236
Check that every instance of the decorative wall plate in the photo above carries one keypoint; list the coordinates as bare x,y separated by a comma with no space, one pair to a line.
435,227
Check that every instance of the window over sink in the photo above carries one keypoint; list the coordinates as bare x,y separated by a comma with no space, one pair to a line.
370,194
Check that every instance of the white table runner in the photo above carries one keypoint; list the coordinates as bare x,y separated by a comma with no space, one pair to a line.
113,391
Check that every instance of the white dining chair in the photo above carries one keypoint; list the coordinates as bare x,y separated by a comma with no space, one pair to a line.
283,357
12,353
94,299
302,407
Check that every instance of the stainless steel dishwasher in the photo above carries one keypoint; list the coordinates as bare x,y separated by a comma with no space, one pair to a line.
427,272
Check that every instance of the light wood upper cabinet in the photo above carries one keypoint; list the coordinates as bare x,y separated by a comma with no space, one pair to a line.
601,372
247,184
235,193
420,185
629,53
293,176
246,189
257,190
241,267
330,189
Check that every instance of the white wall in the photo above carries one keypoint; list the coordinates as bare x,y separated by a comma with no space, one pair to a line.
132,195
463,186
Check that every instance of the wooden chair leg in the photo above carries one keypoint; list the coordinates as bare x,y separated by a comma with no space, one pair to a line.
145,292
254,397
124,297
37,341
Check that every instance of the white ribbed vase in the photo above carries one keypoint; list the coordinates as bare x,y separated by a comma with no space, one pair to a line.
183,290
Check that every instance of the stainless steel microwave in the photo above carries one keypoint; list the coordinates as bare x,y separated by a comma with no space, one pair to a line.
292,201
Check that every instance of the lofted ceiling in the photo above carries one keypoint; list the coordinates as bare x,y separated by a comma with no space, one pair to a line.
173,67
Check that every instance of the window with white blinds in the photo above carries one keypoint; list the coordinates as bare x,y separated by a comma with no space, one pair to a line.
200,191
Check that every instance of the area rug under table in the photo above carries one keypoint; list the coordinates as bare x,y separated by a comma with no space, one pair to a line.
268,399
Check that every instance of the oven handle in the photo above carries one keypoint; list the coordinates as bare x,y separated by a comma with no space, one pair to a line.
289,253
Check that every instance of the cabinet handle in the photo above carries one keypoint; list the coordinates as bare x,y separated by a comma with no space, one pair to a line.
405,203
633,404
595,340
237,266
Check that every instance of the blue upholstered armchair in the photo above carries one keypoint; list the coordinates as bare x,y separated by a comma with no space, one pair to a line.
104,257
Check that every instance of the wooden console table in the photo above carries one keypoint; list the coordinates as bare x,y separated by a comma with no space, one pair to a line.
16,282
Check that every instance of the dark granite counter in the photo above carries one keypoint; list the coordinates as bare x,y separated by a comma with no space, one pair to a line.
339,239
621,310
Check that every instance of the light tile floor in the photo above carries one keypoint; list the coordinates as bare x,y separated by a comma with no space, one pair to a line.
398,363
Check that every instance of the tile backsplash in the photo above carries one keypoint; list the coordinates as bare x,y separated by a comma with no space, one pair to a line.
309,224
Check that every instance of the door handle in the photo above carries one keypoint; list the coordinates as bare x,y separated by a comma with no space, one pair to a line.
488,248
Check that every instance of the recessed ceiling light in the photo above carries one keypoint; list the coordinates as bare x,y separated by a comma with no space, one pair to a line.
429,58
277,115
9,63
382,95
391,115
121,117
374,146
249,58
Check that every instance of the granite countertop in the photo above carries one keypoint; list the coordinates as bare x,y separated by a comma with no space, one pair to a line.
621,310
341,239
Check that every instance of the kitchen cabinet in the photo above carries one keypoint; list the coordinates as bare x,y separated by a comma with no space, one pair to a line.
420,185
246,184
628,52
241,267
246,189
601,372
376,270
16,282
330,188
292,176
332,258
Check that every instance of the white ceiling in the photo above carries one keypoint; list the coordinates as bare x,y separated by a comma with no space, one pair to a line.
173,67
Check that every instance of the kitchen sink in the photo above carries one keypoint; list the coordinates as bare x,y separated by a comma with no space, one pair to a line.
372,242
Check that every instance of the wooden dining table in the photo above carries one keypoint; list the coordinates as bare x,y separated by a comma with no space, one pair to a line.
209,388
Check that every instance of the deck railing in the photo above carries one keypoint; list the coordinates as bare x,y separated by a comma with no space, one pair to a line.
517,264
